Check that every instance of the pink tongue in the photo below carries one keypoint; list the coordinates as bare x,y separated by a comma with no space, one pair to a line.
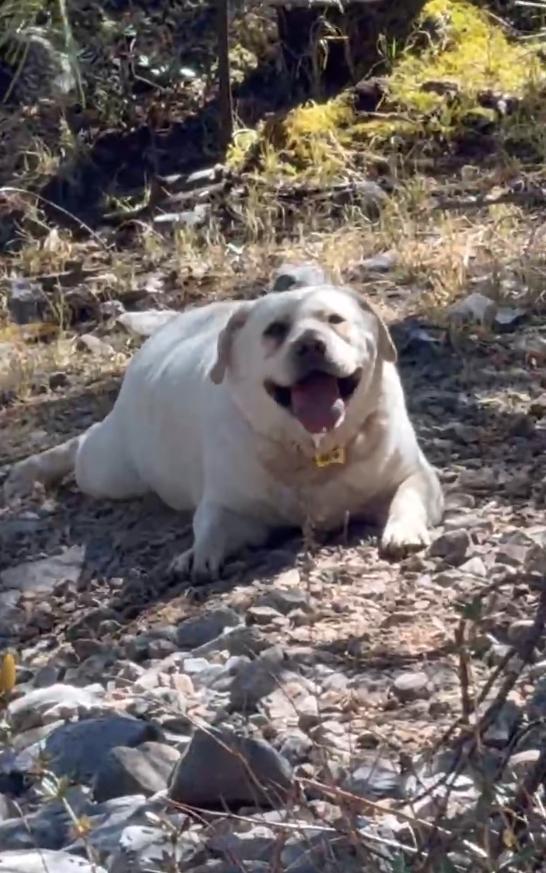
316,402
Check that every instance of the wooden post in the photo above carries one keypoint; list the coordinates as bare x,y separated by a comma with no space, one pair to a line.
224,77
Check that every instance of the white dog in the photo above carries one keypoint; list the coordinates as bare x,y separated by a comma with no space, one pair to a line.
271,413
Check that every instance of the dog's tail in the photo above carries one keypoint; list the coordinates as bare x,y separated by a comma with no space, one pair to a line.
45,468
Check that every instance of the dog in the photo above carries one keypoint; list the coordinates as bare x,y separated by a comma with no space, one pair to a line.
256,415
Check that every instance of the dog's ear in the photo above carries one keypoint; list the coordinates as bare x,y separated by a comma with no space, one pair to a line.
386,347
225,341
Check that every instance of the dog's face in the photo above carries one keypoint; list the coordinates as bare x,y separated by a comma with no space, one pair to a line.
302,358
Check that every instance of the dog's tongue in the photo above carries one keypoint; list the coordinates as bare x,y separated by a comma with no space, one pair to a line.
316,402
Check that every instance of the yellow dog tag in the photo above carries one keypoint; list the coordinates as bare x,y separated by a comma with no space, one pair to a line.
334,456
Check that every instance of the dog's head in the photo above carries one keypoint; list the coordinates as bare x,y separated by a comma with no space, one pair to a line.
302,358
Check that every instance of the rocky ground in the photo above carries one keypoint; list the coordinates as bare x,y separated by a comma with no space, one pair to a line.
319,709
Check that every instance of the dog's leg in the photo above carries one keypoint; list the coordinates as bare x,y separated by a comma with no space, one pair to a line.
416,505
45,468
218,534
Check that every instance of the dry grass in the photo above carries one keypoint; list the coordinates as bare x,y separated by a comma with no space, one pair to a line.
441,255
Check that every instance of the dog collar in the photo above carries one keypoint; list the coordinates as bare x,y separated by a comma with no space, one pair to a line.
336,455
327,459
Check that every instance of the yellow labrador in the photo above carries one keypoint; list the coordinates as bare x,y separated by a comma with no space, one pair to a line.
256,415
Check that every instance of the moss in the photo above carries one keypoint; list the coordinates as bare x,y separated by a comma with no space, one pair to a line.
436,90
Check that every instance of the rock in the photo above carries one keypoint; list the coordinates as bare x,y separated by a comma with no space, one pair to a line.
108,821
255,844
89,622
537,406
383,262
196,632
256,679
145,323
452,546
375,780
521,762
411,686
205,177
29,710
195,217
111,308
284,600
508,317
45,574
501,731
474,309
296,747
241,640
142,849
291,276
26,301
144,770
48,828
263,615
78,750
518,631
222,769
95,345
45,860
536,707
58,379
7,808
511,554
533,347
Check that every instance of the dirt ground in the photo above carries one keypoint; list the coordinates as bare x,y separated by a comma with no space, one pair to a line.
480,415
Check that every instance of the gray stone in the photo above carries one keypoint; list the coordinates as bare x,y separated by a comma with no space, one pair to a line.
45,574
47,676
296,747
45,861
7,808
144,770
383,262
29,710
108,821
452,546
536,707
26,300
256,679
142,849
292,276
94,344
501,731
241,640
78,750
411,686
255,844
519,631
48,828
196,632
263,615
221,768
521,762
374,780
286,599
476,308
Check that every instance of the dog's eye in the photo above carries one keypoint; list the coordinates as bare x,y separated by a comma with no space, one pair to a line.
334,318
277,330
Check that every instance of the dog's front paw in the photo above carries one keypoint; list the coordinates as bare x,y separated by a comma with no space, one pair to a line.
198,564
404,535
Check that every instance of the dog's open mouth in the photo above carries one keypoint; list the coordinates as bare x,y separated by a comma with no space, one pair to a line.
318,401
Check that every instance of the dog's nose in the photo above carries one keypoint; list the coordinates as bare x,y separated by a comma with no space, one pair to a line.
310,344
